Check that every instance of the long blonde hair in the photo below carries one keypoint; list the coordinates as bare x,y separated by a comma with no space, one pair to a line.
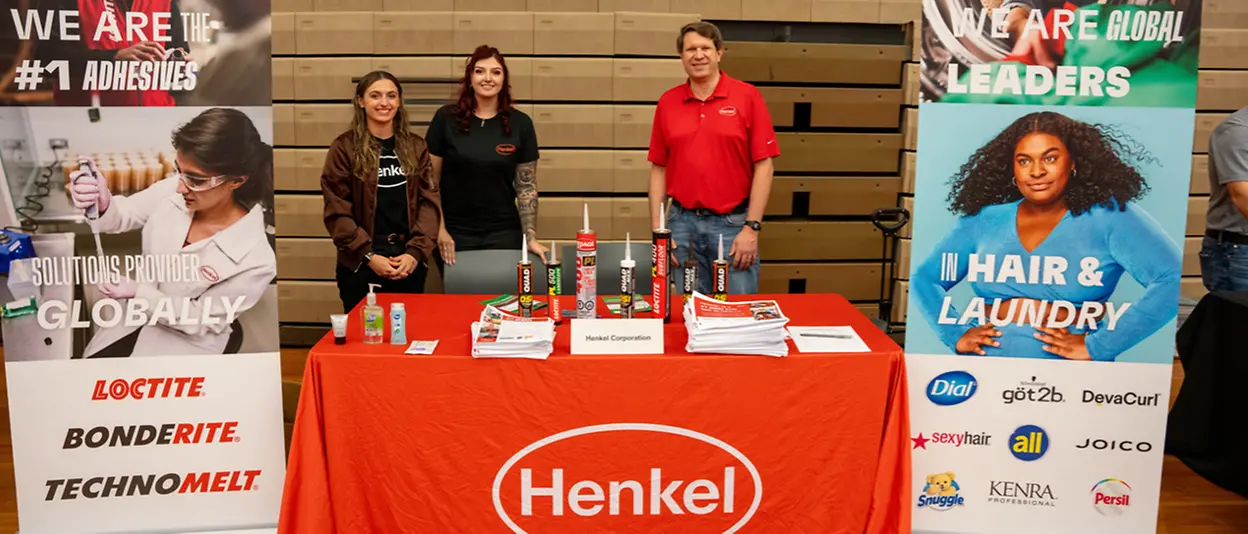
367,149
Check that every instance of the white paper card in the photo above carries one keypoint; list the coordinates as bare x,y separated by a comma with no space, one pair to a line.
827,339
617,336
422,347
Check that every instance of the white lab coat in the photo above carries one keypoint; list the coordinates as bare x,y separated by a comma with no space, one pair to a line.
240,257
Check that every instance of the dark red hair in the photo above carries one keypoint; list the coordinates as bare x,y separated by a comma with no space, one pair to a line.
467,101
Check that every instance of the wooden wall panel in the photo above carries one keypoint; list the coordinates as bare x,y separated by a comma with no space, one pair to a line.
306,258
786,10
811,241
820,63
307,301
833,195
1196,208
836,107
339,34
854,281
838,152
859,11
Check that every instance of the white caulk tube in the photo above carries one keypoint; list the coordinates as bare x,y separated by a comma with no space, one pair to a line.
586,271
627,279
721,274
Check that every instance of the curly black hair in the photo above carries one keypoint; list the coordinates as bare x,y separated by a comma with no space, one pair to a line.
1102,176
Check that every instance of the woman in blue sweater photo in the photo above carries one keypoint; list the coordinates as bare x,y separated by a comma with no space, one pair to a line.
1049,191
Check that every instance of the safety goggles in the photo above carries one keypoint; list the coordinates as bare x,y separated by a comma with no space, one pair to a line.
195,182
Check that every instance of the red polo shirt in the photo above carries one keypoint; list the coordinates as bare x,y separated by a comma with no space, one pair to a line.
709,147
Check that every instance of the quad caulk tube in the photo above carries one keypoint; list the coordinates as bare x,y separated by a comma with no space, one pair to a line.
662,249
554,288
586,271
524,279
628,280
721,274
690,275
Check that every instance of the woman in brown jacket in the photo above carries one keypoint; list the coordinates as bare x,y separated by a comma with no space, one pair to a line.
382,207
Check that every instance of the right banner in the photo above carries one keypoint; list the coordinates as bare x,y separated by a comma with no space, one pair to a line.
1054,163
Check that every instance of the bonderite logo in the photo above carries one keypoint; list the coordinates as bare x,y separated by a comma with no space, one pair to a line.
627,472
143,435
1129,398
1111,497
1033,391
941,492
950,388
1021,493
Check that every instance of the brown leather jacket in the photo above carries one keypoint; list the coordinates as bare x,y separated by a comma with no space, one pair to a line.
350,202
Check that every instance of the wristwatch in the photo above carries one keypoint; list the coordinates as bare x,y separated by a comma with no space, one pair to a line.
754,225
368,256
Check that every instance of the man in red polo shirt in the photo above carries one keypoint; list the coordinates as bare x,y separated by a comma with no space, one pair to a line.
711,151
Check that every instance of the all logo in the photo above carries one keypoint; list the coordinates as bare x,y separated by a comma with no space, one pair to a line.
1021,493
1029,443
955,439
1111,497
1112,445
623,472
950,388
1033,391
941,492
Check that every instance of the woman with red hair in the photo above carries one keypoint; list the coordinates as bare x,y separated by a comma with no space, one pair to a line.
485,154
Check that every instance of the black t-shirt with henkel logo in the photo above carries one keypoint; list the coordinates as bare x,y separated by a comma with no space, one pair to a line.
479,169
391,214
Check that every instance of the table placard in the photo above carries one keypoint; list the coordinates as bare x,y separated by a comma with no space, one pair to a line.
617,336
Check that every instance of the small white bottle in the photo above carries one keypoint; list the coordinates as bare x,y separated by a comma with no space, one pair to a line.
398,320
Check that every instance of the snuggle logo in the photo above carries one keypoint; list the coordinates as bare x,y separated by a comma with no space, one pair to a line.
941,492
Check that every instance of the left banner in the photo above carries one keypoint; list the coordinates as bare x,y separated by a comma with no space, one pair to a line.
138,264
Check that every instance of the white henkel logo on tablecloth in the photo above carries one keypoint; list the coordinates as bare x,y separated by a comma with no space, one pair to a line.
661,472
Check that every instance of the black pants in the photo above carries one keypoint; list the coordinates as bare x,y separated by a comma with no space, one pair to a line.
353,286
498,239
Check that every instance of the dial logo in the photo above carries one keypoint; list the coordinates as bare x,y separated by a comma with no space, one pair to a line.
950,388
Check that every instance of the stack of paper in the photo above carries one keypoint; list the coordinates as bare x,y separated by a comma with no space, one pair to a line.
498,334
755,327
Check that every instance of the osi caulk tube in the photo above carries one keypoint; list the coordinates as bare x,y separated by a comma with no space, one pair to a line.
628,281
586,271
662,245
554,288
524,279
721,274
691,275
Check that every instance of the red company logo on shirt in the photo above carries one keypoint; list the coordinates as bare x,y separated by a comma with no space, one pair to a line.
641,473
505,150
727,111
209,273
148,388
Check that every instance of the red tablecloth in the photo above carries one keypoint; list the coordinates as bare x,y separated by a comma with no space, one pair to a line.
690,443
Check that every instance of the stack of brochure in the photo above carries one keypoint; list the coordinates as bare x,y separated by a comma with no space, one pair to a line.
754,327
498,334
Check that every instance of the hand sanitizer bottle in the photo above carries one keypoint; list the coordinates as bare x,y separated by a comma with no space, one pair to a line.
374,318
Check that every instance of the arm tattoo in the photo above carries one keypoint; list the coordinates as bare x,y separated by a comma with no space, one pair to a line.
526,197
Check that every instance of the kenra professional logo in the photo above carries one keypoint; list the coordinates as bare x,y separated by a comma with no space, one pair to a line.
628,477
142,435
1021,493
112,487
148,388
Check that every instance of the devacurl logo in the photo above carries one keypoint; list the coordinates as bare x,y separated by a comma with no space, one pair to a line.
956,439
1121,399
1112,445
675,474
1033,391
941,492
1029,442
953,387
1111,497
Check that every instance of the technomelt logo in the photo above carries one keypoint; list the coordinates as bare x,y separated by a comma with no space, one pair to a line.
656,474
950,388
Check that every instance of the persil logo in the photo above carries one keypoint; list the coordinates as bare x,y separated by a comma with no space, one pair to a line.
1111,497
637,477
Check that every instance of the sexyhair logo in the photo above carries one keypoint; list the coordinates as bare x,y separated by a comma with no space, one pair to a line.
630,477
209,273
505,150
728,111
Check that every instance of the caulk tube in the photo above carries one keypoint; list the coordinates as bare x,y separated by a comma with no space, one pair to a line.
554,288
662,248
586,271
721,274
691,275
524,279
628,280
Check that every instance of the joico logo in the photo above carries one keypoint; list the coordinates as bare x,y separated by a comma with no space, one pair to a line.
647,473
953,387
1114,445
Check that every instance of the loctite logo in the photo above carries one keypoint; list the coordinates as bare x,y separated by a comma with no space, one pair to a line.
629,477
148,388
112,487
143,435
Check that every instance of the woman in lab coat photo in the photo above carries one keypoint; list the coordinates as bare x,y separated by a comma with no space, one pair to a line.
211,206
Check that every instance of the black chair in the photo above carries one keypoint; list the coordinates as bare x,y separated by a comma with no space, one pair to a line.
488,272
609,257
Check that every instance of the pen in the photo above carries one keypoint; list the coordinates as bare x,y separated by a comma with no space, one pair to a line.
834,336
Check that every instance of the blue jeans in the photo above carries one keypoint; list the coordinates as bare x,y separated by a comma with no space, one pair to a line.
702,232
1223,265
